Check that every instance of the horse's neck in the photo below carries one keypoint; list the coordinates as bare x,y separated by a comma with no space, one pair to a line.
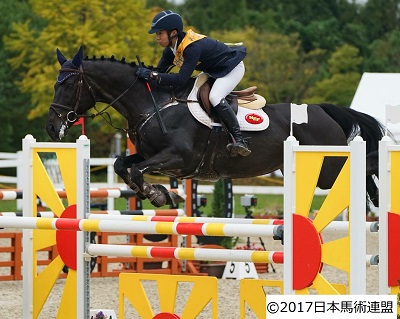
111,79
113,83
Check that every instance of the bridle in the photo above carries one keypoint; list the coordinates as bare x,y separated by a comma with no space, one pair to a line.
72,116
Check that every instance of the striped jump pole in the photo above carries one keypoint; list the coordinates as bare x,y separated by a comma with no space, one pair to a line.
112,214
205,254
177,216
185,253
371,227
187,219
143,212
94,193
10,194
209,254
167,228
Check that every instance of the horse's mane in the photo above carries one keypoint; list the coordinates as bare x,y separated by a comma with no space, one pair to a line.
166,89
111,59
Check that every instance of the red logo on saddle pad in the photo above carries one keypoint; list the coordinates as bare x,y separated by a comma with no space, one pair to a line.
253,118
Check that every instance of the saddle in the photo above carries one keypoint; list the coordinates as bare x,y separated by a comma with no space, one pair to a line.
248,105
235,98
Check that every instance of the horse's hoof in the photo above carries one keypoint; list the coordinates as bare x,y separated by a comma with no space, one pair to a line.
171,197
175,198
155,195
375,201
159,200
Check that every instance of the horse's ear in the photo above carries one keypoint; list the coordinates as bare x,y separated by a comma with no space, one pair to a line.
61,59
77,60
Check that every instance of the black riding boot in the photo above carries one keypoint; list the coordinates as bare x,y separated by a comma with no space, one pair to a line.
228,117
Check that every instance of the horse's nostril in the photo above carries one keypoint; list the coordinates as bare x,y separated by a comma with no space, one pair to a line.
51,131
49,128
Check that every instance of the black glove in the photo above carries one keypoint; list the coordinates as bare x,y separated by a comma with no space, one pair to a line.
143,73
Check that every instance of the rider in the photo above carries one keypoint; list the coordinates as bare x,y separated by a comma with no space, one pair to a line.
192,51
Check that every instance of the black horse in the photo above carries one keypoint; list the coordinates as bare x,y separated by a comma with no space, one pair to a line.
172,142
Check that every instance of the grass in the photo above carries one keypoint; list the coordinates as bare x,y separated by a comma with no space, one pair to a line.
265,204
271,204
8,206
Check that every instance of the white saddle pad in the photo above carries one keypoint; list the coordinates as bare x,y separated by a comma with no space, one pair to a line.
249,120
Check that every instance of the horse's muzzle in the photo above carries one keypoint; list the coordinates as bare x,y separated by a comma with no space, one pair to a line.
50,130
56,132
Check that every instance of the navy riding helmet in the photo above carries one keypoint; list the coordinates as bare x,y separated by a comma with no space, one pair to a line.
166,20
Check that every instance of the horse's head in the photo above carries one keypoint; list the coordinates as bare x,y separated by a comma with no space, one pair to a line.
73,96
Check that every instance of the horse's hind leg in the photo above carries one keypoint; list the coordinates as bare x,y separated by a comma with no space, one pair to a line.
330,170
373,191
373,163
373,169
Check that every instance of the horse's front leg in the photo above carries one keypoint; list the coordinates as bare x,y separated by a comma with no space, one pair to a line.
157,194
121,166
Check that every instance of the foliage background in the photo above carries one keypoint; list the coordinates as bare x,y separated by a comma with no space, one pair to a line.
298,51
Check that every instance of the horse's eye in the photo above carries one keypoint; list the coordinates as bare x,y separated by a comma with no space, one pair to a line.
69,85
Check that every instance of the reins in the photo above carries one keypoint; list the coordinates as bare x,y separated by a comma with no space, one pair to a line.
72,116
103,111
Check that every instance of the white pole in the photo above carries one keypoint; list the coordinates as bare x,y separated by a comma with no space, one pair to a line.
384,208
27,239
82,209
110,182
357,214
20,175
289,208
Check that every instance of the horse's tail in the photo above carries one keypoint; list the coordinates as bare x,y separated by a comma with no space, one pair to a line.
356,123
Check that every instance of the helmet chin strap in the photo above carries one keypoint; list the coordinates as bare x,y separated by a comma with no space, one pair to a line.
170,38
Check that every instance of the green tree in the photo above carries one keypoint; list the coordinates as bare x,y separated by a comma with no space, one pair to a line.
207,16
276,64
340,86
14,105
160,4
217,205
355,34
385,54
104,27
323,34
381,17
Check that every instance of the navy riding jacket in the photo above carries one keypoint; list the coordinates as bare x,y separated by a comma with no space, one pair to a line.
214,57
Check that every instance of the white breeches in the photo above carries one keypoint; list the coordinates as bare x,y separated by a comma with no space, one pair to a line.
223,86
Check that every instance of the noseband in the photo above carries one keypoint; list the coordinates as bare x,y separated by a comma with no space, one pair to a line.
72,116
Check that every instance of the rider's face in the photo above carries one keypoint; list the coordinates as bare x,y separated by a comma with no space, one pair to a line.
162,38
